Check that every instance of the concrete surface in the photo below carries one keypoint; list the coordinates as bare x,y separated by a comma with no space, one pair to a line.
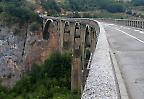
128,46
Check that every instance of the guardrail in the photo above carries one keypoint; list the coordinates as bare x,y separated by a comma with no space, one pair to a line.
126,22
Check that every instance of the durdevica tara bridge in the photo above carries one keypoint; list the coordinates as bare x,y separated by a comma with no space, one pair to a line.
104,53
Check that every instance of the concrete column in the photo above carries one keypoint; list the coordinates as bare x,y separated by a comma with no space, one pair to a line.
61,35
83,29
75,74
133,23
44,23
86,47
87,37
130,23
67,37
142,24
93,39
58,31
72,31
76,64
138,24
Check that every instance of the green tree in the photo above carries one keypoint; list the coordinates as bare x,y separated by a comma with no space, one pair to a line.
5,18
115,8
51,7
50,80
35,26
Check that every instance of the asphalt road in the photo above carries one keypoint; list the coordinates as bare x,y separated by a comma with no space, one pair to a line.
128,46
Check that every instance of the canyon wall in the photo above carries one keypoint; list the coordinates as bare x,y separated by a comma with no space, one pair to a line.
20,48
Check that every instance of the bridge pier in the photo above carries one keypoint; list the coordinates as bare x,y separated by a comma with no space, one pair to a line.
76,63
80,40
61,24
142,24
87,52
83,30
66,37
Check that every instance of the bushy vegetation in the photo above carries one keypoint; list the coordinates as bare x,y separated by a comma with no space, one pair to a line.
87,5
16,11
51,7
114,7
35,26
50,80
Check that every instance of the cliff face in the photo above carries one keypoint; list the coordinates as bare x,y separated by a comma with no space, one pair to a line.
11,48
37,49
18,51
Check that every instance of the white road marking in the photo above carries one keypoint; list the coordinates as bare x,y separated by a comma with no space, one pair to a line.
111,24
130,35
137,30
141,32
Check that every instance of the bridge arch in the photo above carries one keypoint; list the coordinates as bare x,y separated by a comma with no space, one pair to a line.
47,29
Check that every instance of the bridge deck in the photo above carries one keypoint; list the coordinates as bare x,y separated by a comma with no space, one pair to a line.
128,45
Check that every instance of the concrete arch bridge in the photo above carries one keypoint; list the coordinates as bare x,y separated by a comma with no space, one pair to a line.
105,53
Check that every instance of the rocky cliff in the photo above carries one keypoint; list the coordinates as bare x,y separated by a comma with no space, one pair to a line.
19,49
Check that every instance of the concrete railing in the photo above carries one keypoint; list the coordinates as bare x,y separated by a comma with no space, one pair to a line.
101,80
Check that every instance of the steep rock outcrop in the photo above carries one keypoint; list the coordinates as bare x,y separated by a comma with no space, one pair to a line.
19,49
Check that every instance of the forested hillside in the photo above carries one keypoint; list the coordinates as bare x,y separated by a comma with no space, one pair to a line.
12,11
92,8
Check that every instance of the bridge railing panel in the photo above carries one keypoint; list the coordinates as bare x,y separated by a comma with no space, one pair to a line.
126,22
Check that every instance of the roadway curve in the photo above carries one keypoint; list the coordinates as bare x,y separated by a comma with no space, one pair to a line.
128,46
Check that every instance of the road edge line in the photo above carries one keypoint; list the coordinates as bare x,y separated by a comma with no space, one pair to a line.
119,79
